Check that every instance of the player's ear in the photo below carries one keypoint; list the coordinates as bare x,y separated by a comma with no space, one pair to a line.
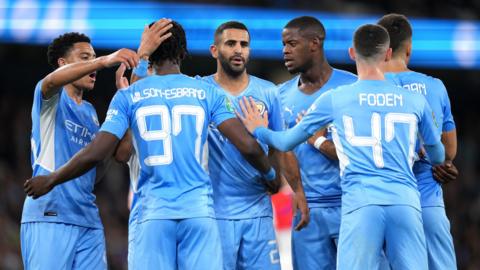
315,44
388,55
351,52
61,61
214,51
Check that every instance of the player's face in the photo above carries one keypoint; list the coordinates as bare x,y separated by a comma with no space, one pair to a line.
82,51
296,50
233,51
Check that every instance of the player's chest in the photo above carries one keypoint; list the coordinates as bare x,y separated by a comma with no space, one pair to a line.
293,104
79,124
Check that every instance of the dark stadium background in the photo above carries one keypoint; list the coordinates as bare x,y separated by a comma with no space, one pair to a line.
22,66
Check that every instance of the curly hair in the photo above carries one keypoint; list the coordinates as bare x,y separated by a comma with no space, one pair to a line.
173,48
61,45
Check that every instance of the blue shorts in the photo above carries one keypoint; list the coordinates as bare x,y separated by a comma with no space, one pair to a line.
47,245
441,254
192,243
315,246
249,244
365,232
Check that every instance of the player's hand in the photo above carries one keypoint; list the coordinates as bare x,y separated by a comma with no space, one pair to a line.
123,56
121,81
300,203
38,186
251,118
445,172
273,186
153,36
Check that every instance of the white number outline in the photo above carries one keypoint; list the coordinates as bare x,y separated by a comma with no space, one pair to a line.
375,141
168,124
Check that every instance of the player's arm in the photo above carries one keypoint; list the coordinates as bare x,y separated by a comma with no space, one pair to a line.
125,148
432,143
98,150
447,171
274,157
320,141
291,172
286,140
236,133
69,73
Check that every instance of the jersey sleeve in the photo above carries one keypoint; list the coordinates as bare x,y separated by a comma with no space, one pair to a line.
221,108
427,125
40,103
117,120
275,116
448,122
319,115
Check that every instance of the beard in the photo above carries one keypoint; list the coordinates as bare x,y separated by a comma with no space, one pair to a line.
230,69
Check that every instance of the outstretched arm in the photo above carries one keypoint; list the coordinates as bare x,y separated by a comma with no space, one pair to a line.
99,149
69,73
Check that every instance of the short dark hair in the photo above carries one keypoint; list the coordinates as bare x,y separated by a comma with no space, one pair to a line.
61,45
398,28
308,26
173,48
229,25
370,40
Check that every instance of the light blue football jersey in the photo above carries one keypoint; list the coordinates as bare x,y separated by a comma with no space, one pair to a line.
375,127
169,116
237,190
320,175
61,128
437,97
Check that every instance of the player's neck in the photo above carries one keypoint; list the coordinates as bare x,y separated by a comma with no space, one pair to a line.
396,65
315,77
369,71
232,84
74,93
166,67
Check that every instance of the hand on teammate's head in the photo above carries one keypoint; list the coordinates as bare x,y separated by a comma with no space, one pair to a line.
123,56
153,36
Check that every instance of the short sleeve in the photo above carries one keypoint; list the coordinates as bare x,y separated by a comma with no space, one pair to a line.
448,122
275,116
427,125
117,121
221,108
319,114
42,104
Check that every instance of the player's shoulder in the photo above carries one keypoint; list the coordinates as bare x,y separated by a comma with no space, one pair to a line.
344,74
261,82
293,82
89,105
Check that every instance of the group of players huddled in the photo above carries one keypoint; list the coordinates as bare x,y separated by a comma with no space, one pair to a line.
365,154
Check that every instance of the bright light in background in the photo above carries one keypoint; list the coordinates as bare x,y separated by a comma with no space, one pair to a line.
23,21
115,24
465,44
